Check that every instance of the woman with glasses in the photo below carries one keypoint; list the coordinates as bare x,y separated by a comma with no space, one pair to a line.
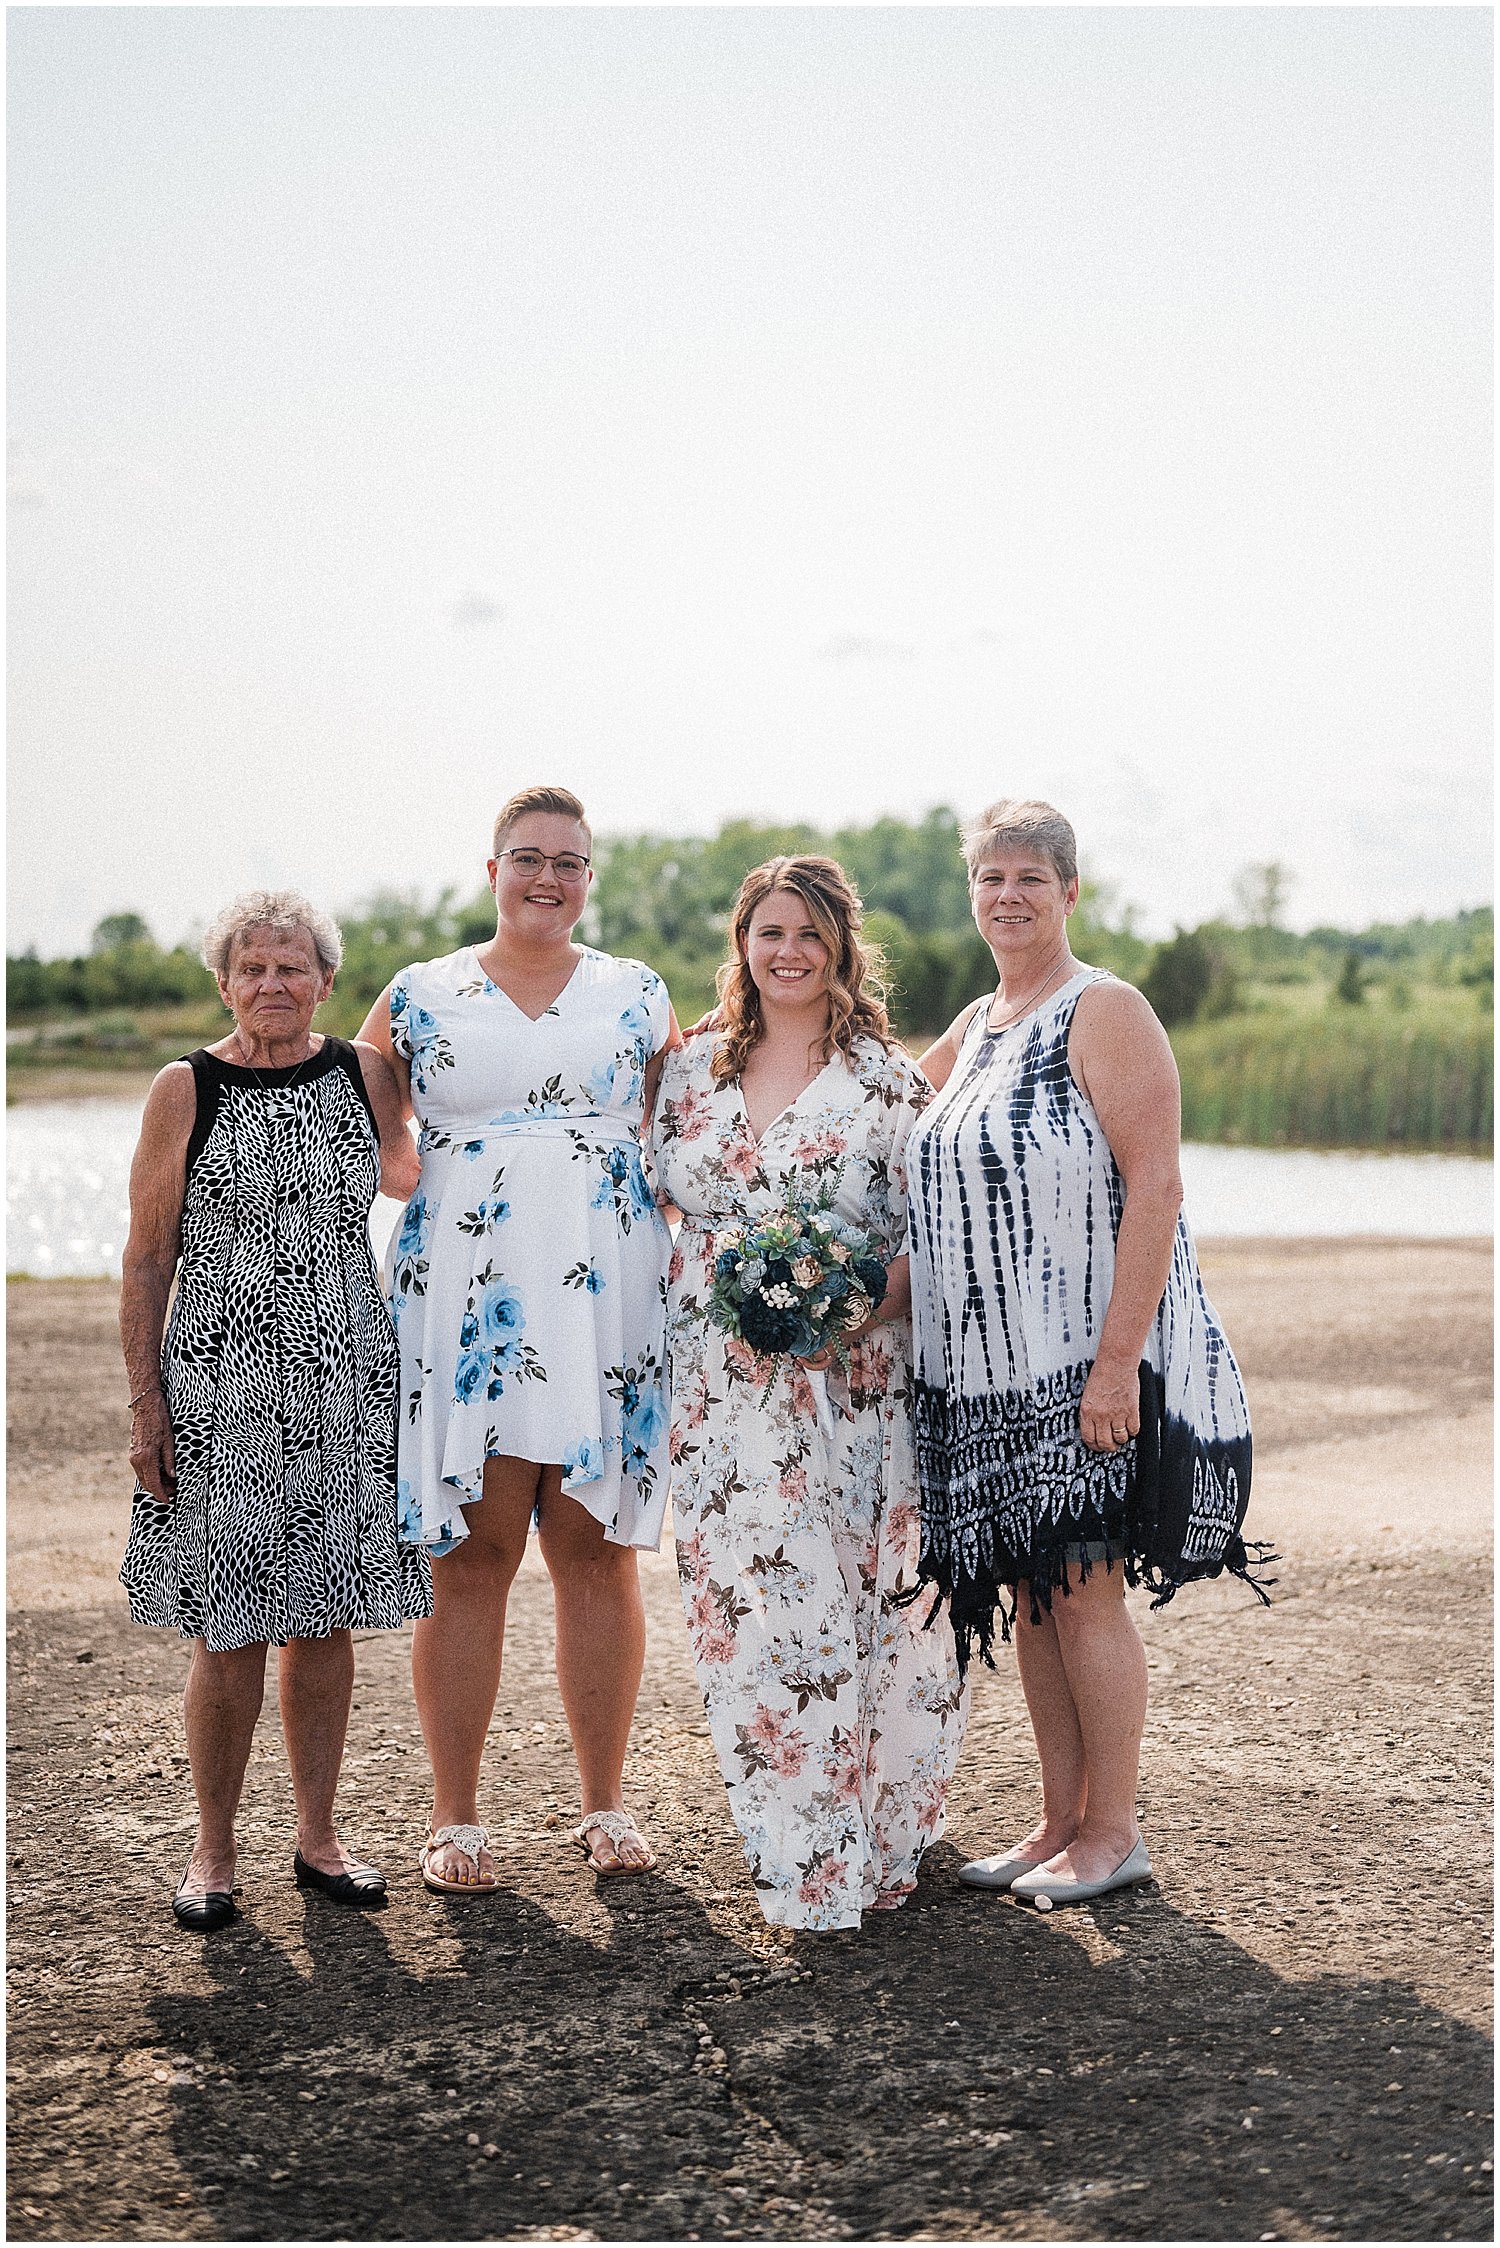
528,1287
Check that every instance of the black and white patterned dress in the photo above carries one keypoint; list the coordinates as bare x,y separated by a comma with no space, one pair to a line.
280,1374
1015,1208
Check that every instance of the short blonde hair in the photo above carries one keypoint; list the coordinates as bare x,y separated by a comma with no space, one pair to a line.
559,801
1024,823
270,909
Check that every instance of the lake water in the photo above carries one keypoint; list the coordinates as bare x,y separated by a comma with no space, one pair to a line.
68,1166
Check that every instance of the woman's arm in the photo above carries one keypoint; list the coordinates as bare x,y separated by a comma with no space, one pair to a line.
1119,1056
937,1063
375,1031
655,1066
400,1166
157,1185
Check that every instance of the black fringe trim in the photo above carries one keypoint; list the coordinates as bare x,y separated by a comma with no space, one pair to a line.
1010,1494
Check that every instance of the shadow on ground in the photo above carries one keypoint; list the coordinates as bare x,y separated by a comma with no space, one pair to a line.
1286,2041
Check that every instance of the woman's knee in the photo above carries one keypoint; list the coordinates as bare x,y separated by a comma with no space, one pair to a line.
1087,1601
333,1651
228,1666
574,1546
485,1563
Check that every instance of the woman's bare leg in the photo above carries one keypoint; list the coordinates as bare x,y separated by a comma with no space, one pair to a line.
219,1707
317,1686
601,1649
1059,1738
456,1651
1105,1664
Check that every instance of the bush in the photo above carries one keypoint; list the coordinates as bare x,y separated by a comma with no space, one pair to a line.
1180,978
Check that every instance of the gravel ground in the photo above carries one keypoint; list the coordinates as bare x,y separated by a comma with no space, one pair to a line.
1287,2038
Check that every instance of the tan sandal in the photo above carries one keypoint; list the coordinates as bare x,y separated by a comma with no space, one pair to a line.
468,1841
615,1825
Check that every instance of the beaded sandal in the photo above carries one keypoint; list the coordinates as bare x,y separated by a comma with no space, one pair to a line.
616,1825
468,1841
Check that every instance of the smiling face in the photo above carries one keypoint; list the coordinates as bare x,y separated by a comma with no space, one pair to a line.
539,902
273,984
1021,903
787,958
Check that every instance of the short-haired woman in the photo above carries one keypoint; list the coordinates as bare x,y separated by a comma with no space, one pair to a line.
835,1717
529,1278
1081,1423
263,1434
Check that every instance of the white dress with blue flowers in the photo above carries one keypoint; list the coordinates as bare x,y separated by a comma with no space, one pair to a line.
528,1277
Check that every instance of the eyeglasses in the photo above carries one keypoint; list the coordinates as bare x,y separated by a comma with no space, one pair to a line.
568,864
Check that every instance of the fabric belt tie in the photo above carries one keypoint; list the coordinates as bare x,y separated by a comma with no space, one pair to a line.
463,1130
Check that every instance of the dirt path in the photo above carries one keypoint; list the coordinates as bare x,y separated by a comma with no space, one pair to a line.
1289,2038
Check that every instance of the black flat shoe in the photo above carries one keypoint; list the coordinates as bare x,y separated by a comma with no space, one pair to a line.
361,1885
202,1910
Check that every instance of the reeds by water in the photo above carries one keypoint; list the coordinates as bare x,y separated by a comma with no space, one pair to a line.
1341,1077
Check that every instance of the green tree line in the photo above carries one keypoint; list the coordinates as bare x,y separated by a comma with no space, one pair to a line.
1374,1037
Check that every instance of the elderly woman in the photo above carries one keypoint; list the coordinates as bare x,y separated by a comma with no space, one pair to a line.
263,1434
1081,1424
528,1291
836,1718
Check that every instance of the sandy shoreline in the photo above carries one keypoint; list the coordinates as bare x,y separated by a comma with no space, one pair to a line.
1288,2038
1364,1360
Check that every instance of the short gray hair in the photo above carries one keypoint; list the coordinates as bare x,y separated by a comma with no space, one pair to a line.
1026,823
270,909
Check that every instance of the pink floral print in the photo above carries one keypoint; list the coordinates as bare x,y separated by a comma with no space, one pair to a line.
835,1715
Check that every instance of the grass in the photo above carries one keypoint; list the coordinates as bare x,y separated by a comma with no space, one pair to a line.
1340,1077
1294,1069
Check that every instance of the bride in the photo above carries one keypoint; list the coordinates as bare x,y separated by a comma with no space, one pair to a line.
835,1716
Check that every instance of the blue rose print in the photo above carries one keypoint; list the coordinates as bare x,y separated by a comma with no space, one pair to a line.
413,1225
584,1461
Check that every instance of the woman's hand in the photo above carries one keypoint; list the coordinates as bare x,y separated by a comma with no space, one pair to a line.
1109,1411
152,1454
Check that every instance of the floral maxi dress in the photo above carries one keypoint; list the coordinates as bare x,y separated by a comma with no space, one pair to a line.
836,1717
528,1275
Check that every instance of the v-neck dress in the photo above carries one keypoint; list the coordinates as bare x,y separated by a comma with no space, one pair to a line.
528,1276
836,1718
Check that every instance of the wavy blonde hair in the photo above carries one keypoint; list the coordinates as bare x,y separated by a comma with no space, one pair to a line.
856,971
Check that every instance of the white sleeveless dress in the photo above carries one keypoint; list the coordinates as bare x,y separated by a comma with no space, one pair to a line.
1015,1208
528,1277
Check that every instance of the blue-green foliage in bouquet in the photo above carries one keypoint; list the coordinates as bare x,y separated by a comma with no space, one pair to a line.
796,1282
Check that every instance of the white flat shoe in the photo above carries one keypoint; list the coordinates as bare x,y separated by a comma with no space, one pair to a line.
995,1873
1044,1890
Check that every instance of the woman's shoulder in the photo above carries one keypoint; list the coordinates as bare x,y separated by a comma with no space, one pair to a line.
450,972
1111,1023
1106,999
617,968
888,1073
691,1063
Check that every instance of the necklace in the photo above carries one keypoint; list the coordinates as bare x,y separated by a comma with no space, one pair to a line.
1014,1013
256,1074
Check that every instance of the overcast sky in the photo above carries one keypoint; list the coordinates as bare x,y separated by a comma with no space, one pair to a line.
800,413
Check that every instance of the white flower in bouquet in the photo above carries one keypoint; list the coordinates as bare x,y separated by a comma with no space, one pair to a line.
856,1310
807,1272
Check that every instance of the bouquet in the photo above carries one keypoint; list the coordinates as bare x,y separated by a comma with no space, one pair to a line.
796,1283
